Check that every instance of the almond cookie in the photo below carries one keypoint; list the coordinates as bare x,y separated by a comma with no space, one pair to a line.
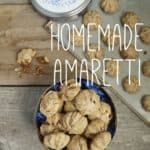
145,34
77,39
133,87
101,141
103,113
96,53
77,143
87,102
25,56
69,107
55,119
106,113
130,18
111,67
109,39
69,91
46,129
130,53
146,68
93,17
146,102
50,104
42,60
109,6
56,141
74,123
95,127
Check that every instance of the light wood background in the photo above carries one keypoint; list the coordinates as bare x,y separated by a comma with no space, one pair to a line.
21,26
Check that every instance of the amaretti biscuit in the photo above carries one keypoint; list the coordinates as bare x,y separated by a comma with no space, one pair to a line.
146,68
50,104
92,17
130,18
56,141
74,123
94,127
77,143
95,52
112,68
109,6
133,87
77,39
146,102
145,34
101,141
69,107
86,102
69,90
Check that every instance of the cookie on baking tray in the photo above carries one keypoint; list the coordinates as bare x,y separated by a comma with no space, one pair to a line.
92,17
133,87
146,102
146,68
129,53
130,18
95,52
145,34
109,6
111,67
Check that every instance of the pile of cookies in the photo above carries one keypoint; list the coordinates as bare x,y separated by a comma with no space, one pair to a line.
76,119
129,18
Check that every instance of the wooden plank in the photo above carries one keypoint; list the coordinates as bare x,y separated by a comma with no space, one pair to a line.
22,27
14,1
17,130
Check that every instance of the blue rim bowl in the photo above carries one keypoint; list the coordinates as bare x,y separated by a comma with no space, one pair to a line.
85,84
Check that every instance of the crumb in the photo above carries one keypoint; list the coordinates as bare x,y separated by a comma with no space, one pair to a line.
26,69
42,60
145,53
129,53
39,70
108,38
17,69
20,75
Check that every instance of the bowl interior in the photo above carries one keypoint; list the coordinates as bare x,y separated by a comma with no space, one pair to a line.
40,118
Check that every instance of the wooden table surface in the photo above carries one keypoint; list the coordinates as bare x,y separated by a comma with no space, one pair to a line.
17,104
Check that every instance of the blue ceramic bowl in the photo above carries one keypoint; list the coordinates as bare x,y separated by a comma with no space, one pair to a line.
40,118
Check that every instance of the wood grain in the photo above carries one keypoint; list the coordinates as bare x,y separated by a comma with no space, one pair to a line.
17,125
14,1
